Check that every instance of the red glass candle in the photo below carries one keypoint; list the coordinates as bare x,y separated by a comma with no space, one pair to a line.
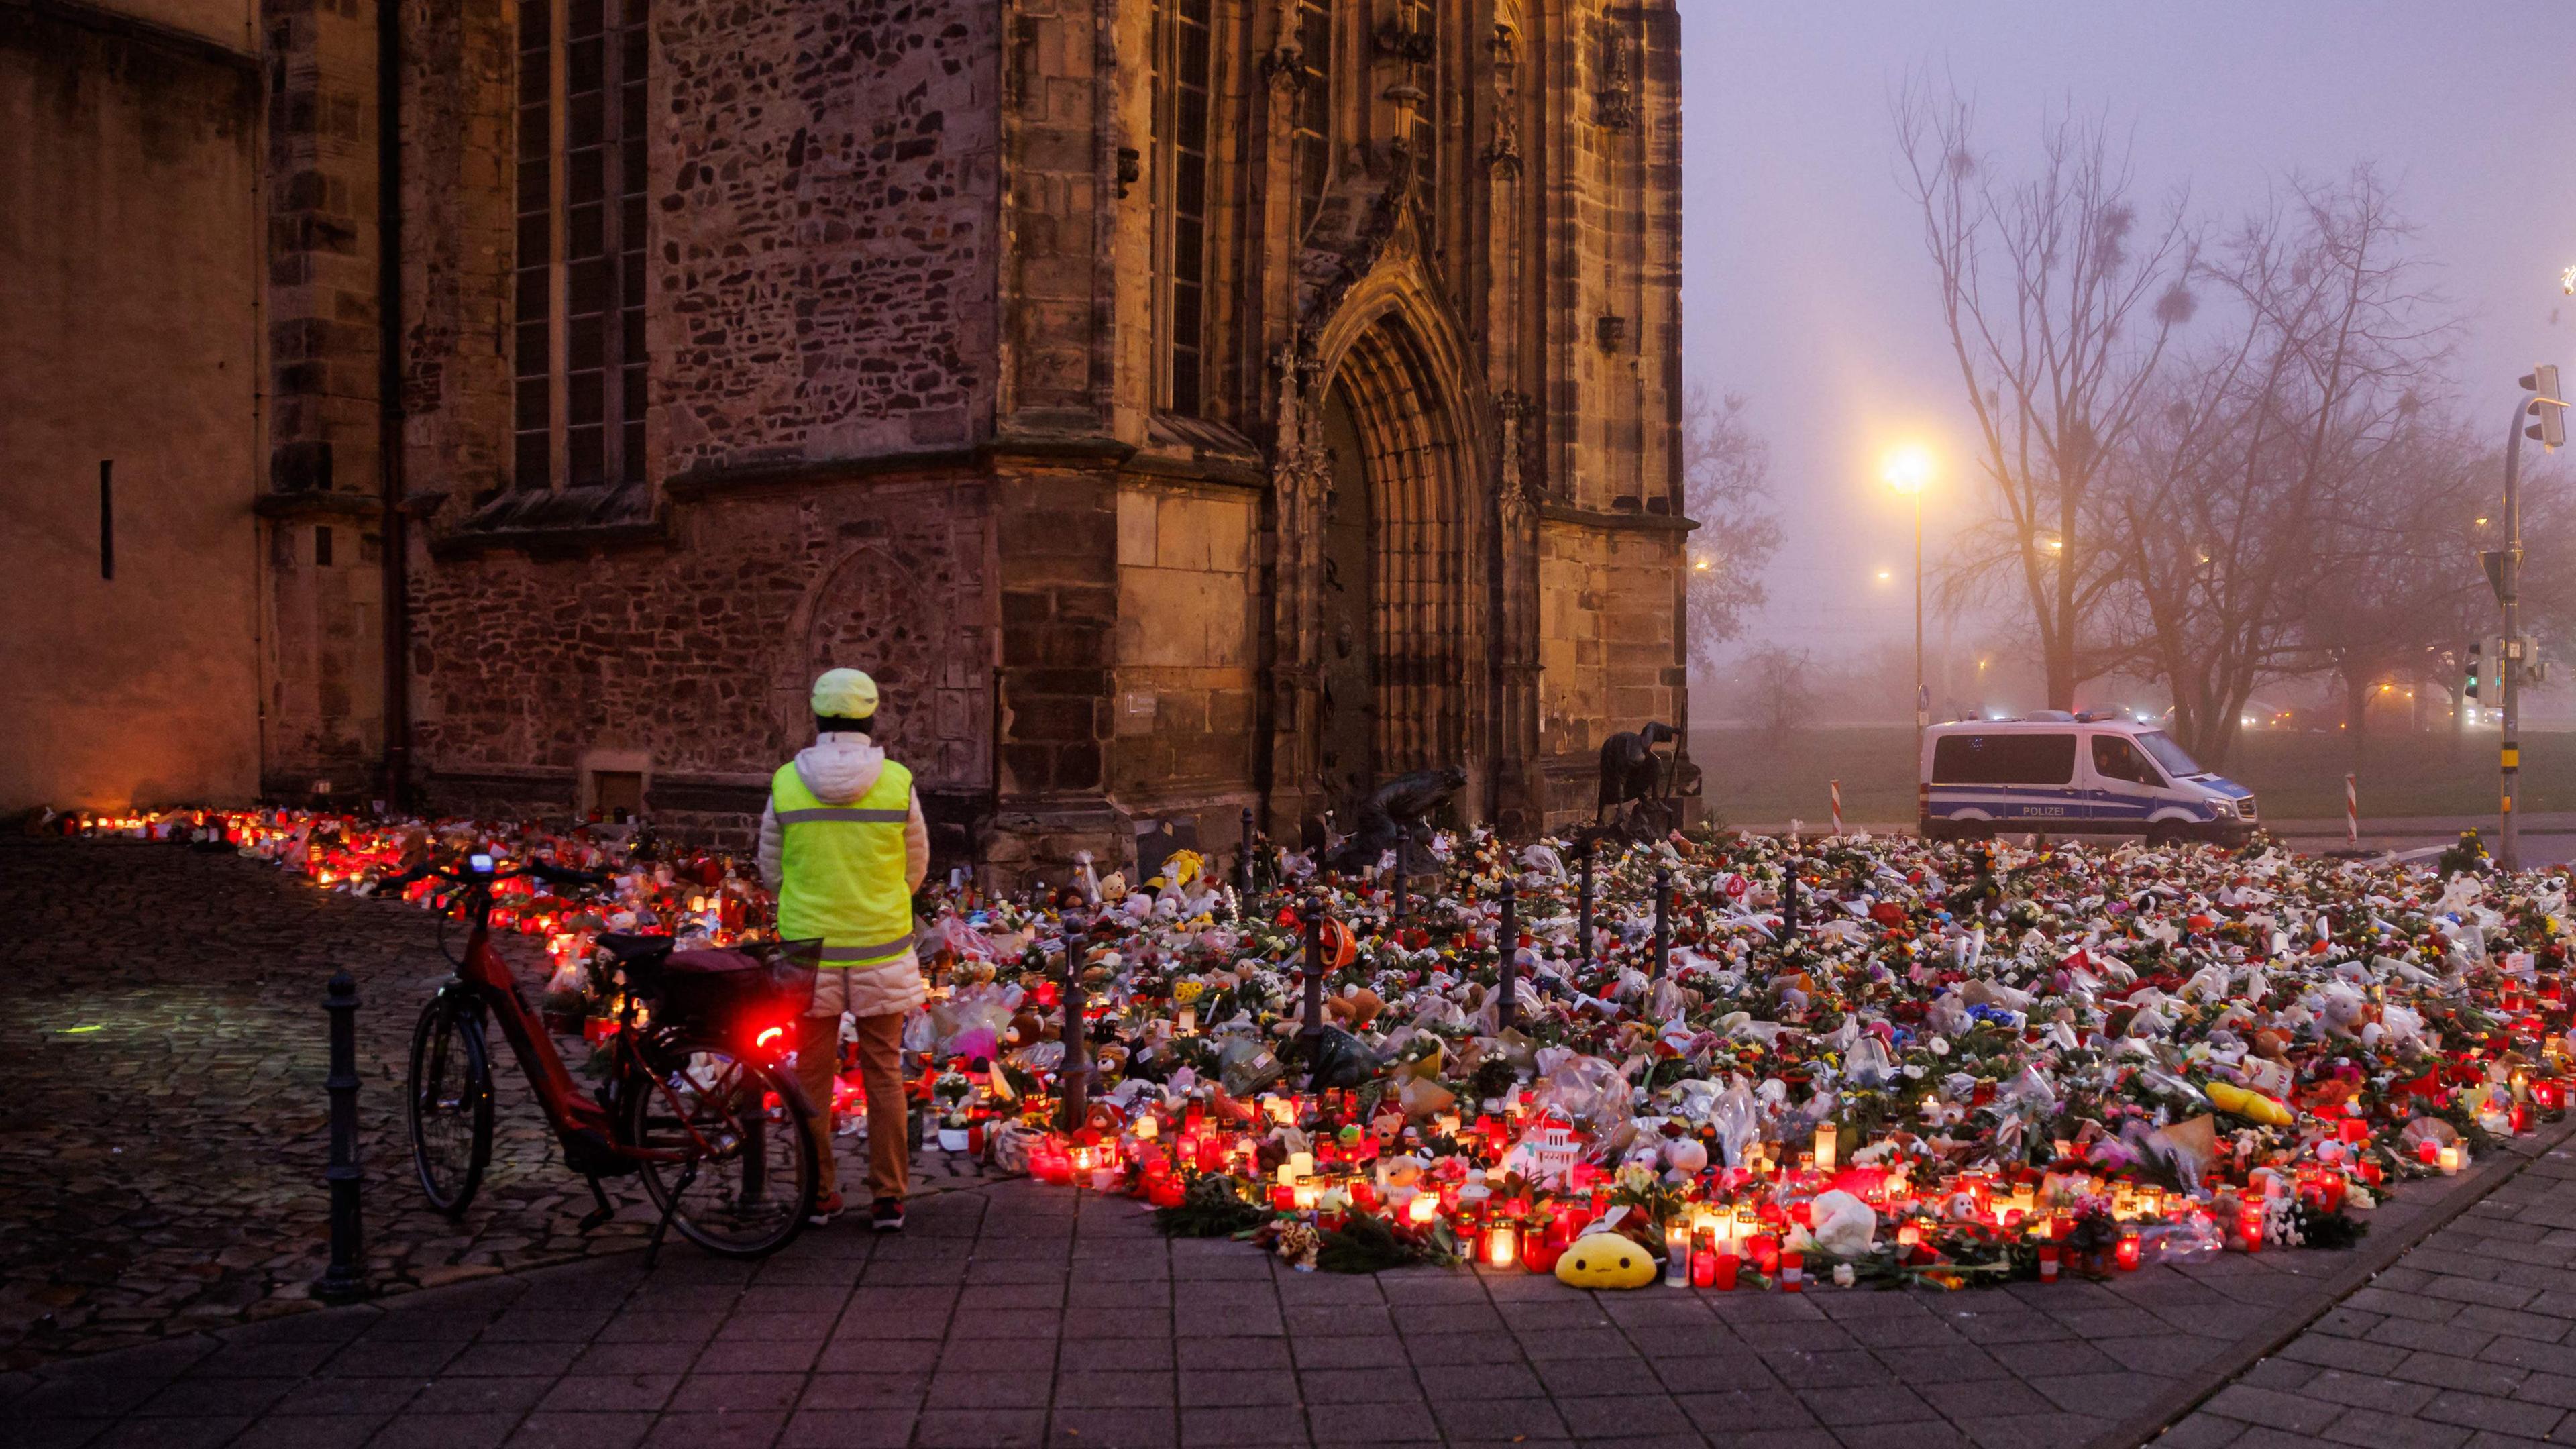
2126,1253
1764,1249
1793,1272
1727,1267
2048,1260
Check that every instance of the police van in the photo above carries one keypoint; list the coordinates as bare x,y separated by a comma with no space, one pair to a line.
2073,774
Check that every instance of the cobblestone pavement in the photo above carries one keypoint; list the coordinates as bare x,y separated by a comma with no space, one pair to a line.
2470,1339
162,1050
1016,1314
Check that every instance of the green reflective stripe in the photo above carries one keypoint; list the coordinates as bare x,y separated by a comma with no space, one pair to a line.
867,953
846,813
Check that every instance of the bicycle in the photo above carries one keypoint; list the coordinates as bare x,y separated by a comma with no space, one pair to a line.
694,1095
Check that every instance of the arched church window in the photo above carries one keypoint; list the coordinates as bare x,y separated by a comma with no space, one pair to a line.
578,345
1433,109
1314,107
1182,52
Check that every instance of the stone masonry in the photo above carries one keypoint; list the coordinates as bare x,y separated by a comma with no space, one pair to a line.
1184,406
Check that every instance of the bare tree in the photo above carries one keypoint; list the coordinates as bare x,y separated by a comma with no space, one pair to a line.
2273,507
1726,476
2059,303
2397,590
1776,689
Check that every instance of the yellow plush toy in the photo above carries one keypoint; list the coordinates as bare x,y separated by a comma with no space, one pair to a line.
2228,1097
1606,1260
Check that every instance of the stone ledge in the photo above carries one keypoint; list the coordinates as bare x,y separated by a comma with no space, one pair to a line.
1556,512
293,506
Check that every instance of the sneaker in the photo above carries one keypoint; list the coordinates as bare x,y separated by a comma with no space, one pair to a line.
826,1208
887,1216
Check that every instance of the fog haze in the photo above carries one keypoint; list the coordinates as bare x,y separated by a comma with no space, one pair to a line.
1806,285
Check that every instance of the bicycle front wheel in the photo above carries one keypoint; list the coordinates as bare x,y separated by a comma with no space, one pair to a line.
449,1093
730,1154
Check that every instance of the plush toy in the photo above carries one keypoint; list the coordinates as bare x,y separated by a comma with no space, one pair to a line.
2253,1106
1606,1260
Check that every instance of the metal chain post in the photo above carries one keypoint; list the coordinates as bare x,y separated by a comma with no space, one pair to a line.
1076,1081
1243,865
1663,922
1403,857
1314,966
1583,909
345,1280
1789,898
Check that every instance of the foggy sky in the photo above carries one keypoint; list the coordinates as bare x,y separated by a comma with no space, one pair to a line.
1806,287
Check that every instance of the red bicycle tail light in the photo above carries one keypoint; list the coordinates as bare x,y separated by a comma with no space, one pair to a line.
770,1035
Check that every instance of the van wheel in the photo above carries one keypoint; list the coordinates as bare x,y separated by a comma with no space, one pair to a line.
2164,834
1974,830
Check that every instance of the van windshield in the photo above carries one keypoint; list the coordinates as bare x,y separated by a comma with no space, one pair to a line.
2165,752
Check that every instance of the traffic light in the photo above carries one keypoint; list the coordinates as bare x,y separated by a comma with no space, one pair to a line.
2551,430
2477,649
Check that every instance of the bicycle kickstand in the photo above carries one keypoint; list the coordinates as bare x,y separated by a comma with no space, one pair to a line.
603,1212
670,1205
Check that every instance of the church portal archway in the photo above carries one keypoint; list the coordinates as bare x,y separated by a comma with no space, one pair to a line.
1400,614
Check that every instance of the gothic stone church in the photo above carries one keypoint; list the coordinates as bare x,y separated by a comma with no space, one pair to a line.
1178,405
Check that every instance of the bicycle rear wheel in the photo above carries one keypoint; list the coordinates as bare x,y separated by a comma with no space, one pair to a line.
449,1096
743,1171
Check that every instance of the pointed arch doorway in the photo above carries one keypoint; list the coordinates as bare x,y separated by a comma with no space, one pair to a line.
1397,626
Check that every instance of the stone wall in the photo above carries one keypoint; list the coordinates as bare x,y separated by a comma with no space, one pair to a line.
1609,648
129,244
1183,691
823,234
690,660
323,648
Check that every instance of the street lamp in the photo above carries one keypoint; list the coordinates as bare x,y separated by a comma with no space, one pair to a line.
1909,470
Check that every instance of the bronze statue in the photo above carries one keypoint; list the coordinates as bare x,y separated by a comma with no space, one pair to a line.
1404,800
1635,777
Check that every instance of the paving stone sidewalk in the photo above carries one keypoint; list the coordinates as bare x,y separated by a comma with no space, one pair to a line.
1018,1314
162,1048
2469,1340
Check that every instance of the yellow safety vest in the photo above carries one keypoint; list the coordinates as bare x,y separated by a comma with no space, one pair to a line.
844,868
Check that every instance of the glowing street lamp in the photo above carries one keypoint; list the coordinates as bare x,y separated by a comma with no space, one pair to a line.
1908,470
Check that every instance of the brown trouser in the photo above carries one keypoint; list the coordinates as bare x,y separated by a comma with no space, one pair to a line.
818,1053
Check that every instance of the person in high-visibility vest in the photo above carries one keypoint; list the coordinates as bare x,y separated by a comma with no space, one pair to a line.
844,845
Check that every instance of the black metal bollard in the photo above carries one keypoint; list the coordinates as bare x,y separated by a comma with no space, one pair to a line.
1583,909
1314,966
1403,857
345,1280
1075,1082
1507,947
1663,922
1789,899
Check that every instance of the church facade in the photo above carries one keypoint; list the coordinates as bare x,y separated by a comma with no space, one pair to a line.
1180,406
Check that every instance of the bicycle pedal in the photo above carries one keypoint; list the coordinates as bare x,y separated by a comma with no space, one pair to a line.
592,1219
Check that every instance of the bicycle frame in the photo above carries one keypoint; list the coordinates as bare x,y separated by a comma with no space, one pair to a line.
487,981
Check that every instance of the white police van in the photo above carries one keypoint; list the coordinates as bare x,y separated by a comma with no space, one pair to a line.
2072,774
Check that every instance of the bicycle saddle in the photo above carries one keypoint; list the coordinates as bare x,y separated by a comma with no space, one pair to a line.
631,950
